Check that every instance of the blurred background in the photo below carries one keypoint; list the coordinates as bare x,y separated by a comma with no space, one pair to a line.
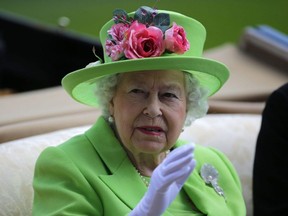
223,19
67,29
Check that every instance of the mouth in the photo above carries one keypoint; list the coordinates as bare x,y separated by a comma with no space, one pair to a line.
151,130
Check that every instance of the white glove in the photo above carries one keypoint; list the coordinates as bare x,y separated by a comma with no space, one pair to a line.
166,182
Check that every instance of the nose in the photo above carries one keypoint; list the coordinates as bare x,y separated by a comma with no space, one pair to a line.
152,107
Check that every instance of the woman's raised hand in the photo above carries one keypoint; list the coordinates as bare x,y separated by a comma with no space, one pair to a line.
166,181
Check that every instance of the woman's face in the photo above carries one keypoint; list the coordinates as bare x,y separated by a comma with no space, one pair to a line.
149,109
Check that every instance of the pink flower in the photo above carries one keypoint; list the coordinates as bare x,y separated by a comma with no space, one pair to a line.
114,51
117,32
175,39
114,45
142,42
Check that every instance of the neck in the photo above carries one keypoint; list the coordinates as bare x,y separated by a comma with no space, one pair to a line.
146,163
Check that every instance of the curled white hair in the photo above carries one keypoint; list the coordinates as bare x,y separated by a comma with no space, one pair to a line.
197,104
105,90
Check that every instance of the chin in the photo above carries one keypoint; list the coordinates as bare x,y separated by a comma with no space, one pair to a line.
151,147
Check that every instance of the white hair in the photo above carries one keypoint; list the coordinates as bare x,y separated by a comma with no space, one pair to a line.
197,103
197,99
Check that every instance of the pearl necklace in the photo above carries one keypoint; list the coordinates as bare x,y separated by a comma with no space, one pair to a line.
143,178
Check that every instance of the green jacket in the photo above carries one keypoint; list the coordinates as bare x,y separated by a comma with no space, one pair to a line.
90,174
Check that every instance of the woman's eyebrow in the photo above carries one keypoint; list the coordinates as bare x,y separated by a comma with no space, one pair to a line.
173,86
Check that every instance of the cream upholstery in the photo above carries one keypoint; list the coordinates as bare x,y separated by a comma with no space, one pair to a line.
233,134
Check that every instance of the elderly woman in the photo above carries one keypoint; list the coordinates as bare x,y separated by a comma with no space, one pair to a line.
152,84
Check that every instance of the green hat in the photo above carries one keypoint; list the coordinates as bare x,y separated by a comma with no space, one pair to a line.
146,40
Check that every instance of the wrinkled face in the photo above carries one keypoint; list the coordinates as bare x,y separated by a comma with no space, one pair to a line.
149,109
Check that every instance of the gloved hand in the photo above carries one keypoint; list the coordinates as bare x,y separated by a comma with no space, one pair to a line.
166,182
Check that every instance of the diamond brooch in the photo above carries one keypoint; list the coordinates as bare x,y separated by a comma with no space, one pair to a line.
210,175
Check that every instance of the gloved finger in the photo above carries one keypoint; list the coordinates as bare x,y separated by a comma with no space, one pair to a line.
190,167
176,164
182,171
182,157
175,180
179,153
179,176
177,158
173,163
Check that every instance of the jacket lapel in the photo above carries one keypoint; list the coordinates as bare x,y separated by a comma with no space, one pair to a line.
126,184
122,177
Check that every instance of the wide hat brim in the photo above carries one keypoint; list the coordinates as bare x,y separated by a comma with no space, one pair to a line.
211,74
80,84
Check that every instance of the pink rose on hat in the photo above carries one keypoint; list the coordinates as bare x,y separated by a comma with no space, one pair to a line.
142,42
147,34
175,39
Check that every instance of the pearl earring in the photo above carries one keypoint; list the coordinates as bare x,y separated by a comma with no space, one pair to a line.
110,119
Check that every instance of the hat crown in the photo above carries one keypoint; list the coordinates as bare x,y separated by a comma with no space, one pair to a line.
195,34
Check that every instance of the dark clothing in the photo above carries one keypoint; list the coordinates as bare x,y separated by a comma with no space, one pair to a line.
270,174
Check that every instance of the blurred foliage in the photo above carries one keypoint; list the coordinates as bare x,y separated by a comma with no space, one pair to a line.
223,19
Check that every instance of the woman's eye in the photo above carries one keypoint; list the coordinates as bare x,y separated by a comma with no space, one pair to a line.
170,95
137,91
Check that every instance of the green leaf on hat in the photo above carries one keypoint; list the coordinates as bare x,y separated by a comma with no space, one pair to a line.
145,15
120,16
162,21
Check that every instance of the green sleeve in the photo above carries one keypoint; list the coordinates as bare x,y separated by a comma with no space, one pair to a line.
60,188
